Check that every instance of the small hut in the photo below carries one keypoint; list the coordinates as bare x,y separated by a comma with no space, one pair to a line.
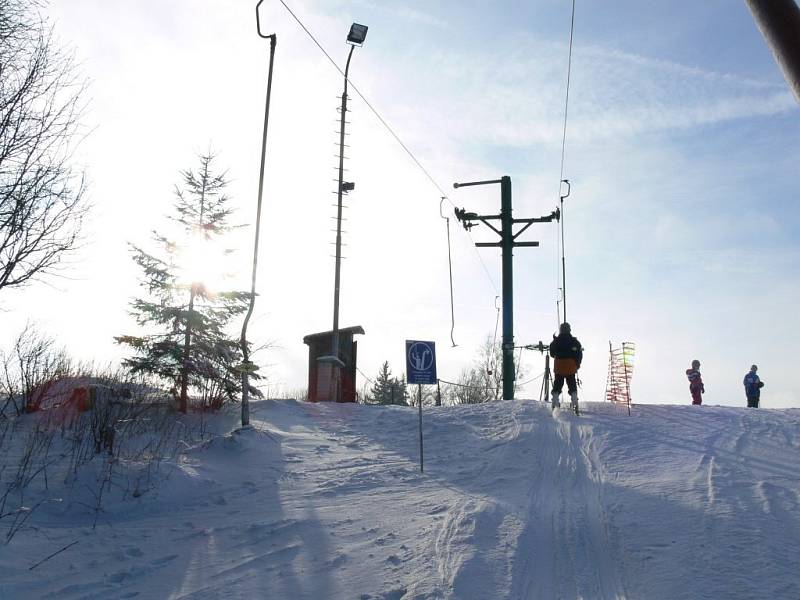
332,377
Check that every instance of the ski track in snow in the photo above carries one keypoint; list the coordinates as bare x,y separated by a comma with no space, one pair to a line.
324,501
566,550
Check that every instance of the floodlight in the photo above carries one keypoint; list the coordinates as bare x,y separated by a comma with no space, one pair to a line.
357,35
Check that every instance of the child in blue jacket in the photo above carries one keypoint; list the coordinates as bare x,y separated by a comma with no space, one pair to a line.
752,387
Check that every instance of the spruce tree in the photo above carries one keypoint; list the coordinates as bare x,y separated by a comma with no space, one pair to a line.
186,342
400,388
381,389
388,389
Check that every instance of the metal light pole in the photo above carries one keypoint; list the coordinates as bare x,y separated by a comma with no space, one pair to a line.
247,366
356,37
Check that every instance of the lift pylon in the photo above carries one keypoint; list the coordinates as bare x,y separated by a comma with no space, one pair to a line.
507,243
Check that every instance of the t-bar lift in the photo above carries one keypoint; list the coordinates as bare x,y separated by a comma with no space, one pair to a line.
507,243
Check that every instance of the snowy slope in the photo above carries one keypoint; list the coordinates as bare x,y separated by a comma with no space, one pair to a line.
326,501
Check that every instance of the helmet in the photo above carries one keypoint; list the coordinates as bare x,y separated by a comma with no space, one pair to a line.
695,363
564,328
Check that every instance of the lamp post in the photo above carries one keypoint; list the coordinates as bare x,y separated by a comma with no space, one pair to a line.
356,37
247,366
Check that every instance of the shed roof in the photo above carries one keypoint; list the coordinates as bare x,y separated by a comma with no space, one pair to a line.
356,329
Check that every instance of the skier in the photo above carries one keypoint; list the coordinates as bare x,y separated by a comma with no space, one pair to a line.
695,382
568,355
752,387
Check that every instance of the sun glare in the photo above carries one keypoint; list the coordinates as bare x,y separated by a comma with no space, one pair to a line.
204,261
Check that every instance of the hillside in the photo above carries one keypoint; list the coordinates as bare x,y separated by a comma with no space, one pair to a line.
324,501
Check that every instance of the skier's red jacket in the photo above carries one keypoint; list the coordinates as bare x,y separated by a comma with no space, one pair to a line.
695,380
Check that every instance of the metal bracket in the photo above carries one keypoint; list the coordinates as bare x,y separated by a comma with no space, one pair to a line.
540,347
272,37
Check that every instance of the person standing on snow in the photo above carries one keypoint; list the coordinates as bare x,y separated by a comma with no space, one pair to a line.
695,382
568,355
752,387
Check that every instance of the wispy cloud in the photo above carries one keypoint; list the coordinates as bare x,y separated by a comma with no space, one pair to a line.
405,13
619,93
680,70
515,95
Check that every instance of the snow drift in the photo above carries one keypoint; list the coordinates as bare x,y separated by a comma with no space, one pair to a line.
326,501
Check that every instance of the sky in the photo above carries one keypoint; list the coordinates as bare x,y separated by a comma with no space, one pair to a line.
682,146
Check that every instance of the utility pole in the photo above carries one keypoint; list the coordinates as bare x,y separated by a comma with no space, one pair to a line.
507,243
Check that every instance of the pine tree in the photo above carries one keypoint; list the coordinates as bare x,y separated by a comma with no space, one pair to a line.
400,391
186,343
381,390
388,389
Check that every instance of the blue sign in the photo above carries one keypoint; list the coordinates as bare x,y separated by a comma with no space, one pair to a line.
420,362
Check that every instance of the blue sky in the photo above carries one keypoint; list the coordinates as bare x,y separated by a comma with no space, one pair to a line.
682,148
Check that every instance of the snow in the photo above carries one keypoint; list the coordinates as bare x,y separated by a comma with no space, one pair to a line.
326,501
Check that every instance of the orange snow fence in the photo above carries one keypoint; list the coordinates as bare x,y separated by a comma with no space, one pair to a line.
620,372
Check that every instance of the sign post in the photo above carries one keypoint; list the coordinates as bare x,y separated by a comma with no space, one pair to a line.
420,369
419,402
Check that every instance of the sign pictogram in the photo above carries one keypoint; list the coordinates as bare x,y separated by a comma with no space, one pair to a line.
420,362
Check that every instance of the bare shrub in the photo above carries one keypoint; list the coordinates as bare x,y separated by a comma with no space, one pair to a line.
32,463
117,443
300,394
29,367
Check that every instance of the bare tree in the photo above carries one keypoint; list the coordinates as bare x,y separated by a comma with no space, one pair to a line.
42,199
483,382
469,389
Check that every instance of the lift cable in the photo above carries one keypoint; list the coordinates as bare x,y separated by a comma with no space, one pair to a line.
493,359
566,101
391,132
365,376
561,180
450,268
539,376
563,259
